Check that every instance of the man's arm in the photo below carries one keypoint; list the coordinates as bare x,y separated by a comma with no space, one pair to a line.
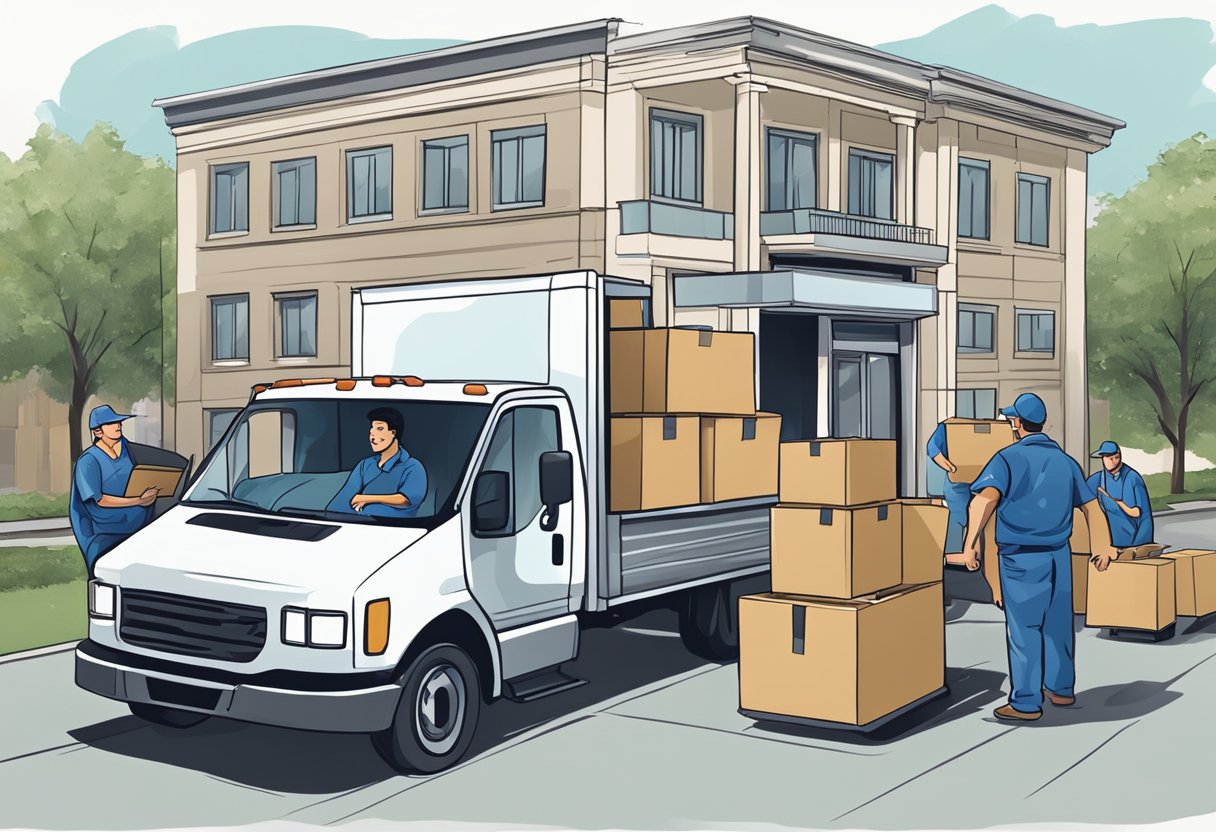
1099,535
147,498
945,464
342,500
979,512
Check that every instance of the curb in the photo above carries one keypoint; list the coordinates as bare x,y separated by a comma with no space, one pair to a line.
42,527
1186,508
39,651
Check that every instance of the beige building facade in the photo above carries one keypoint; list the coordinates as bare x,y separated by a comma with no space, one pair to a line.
912,237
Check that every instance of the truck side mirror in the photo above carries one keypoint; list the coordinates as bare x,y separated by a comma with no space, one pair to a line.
491,502
556,485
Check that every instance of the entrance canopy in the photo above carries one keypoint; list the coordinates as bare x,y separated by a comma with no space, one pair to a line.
824,293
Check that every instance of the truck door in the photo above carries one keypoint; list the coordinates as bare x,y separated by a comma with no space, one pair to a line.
520,570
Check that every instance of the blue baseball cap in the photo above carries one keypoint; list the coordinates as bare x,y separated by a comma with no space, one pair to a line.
1107,448
105,415
1028,407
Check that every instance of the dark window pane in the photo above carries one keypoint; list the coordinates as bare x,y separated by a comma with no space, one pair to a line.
432,178
533,168
966,329
983,331
458,176
802,174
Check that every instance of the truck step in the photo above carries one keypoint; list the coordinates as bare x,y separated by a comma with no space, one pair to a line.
540,684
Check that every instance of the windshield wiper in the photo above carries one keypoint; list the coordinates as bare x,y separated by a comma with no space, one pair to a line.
324,514
241,505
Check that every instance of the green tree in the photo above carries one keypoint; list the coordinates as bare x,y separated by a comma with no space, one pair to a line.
1152,303
87,264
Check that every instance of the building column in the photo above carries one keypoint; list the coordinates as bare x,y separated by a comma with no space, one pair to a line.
1075,395
946,226
749,170
835,155
905,168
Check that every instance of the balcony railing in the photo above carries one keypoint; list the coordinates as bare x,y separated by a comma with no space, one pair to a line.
643,216
815,221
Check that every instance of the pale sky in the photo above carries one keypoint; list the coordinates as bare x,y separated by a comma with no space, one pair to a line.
39,40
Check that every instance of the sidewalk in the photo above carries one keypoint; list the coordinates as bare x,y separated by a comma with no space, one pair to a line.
45,527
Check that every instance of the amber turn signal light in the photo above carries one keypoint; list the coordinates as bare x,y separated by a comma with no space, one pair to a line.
375,627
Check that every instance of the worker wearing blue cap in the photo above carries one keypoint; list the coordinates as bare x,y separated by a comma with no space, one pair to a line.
1124,498
101,516
1033,486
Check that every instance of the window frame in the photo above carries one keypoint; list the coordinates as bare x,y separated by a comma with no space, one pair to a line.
976,309
233,298
211,414
513,529
789,135
1032,179
216,170
497,139
986,166
376,216
423,211
866,154
696,121
1018,314
280,345
276,214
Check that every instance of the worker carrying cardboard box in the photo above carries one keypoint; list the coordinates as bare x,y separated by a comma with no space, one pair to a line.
1032,486
1124,498
957,494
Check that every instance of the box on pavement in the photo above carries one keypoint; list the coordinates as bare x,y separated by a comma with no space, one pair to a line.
972,442
1080,581
626,313
739,456
850,662
835,552
682,371
1194,581
924,539
655,462
1133,595
838,472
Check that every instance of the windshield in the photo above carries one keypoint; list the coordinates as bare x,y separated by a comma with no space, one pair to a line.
302,457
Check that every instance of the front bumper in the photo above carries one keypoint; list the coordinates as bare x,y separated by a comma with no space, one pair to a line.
344,703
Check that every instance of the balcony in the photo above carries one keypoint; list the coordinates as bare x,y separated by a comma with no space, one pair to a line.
848,236
643,216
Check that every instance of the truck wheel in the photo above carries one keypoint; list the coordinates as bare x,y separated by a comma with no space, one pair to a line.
709,623
437,714
169,717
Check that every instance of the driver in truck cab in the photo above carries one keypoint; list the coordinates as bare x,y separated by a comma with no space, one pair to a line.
390,482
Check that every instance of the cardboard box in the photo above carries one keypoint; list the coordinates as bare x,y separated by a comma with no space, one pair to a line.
682,371
838,472
1145,550
972,442
835,552
626,313
1080,581
924,540
739,456
655,462
1133,595
1194,581
1079,542
850,662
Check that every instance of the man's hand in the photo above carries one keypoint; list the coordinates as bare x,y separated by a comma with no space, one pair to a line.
149,496
358,501
971,557
951,468
1102,561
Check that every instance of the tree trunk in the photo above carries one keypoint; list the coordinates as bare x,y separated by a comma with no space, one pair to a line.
1178,473
80,397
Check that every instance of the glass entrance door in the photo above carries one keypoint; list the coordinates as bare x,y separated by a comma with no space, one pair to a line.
866,395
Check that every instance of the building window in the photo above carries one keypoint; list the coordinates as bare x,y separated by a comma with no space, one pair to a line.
297,325
871,184
230,328
791,170
1033,195
295,193
975,404
518,158
976,325
973,198
1036,331
445,174
229,198
218,422
675,156
369,184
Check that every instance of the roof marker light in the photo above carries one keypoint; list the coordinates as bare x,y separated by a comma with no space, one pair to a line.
382,381
345,384
475,390
413,381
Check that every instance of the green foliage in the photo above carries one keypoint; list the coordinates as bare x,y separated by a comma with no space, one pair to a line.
31,618
1200,485
29,567
32,505
1152,302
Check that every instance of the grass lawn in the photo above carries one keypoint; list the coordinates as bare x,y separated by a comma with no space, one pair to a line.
32,505
1200,485
43,596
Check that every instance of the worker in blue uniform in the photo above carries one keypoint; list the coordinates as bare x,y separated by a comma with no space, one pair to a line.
957,494
1033,486
1124,498
100,513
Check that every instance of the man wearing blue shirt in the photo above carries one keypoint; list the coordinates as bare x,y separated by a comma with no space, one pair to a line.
1124,498
100,513
1033,487
957,494
390,482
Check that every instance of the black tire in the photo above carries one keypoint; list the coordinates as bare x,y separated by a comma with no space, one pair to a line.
709,622
431,733
168,717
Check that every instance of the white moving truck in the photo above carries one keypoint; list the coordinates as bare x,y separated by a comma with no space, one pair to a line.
255,599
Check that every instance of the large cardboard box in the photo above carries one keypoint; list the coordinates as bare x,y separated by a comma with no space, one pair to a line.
835,552
1133,595
655,462
1080,581
849,662
1194,581
972,442
924,532
838,472
739,456
682,371
1079,542
626,313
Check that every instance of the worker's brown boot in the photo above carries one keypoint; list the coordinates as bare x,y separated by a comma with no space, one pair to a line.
1008,712
1057,700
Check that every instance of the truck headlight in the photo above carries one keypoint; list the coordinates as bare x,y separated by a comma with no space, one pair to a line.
313,628
101,600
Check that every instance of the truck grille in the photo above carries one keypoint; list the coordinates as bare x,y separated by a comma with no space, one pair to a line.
192,626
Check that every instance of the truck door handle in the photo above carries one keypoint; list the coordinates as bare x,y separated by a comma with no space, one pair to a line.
559,550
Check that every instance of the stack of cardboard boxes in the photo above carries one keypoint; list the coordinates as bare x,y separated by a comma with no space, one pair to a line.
853,631
684,427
